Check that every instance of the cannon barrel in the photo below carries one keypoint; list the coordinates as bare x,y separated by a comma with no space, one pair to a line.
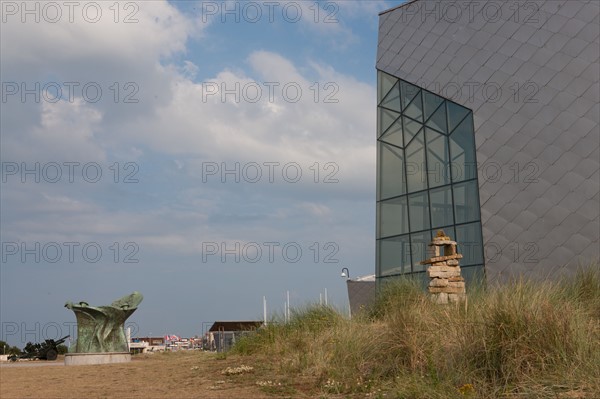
62,340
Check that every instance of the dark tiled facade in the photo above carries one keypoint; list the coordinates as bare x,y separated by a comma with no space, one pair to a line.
527,73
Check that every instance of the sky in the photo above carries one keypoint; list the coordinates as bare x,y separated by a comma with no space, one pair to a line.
205,154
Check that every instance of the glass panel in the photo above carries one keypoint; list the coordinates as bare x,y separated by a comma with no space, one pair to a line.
474,276
448,230
408,92
456,113
419,243
468,237
420,278
393,255
419,211
415,164
431,102
385,84
392,217
438,159
442,213
410,129
385,120
462,151
415,108
438,120
391,171
394,134
392,100
466,202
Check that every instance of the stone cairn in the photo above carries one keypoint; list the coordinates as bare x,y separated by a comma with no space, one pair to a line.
446,284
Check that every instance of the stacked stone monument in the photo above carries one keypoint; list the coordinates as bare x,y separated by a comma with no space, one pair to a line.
446,284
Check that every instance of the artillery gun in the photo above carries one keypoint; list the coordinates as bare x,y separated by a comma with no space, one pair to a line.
47,350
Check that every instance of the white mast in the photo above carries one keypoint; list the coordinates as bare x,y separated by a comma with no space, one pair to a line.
265,310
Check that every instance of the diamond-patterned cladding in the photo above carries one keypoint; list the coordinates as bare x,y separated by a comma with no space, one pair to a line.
547,105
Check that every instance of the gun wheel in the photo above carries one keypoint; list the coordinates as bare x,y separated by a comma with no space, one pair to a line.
51,354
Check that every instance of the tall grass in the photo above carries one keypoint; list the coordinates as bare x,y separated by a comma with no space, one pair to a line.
537,339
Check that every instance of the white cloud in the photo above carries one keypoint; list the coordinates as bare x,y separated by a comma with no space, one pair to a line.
177,120
169,133
221,127
157,30
318,210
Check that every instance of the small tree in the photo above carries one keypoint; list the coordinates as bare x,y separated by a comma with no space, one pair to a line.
9,350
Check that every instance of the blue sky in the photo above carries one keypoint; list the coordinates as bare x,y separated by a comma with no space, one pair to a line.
203,201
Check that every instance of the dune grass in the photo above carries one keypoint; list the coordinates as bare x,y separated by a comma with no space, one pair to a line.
523,339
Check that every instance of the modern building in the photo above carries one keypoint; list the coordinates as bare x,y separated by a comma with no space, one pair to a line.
488,128
361,293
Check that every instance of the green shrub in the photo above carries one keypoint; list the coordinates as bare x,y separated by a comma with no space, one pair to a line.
537,339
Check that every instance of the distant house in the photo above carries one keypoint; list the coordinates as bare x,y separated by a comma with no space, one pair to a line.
147,344
223,334
153,341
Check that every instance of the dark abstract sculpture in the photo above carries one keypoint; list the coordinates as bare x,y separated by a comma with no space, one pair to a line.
101,329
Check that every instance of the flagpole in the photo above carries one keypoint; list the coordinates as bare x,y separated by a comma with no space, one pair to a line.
265,310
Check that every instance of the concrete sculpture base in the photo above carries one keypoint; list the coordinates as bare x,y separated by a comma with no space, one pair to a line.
80,359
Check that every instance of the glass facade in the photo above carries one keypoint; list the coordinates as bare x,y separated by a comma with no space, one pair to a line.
426,178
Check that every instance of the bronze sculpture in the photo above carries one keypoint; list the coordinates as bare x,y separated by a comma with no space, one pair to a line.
101,329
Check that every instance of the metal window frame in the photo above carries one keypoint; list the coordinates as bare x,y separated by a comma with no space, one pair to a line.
428,189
